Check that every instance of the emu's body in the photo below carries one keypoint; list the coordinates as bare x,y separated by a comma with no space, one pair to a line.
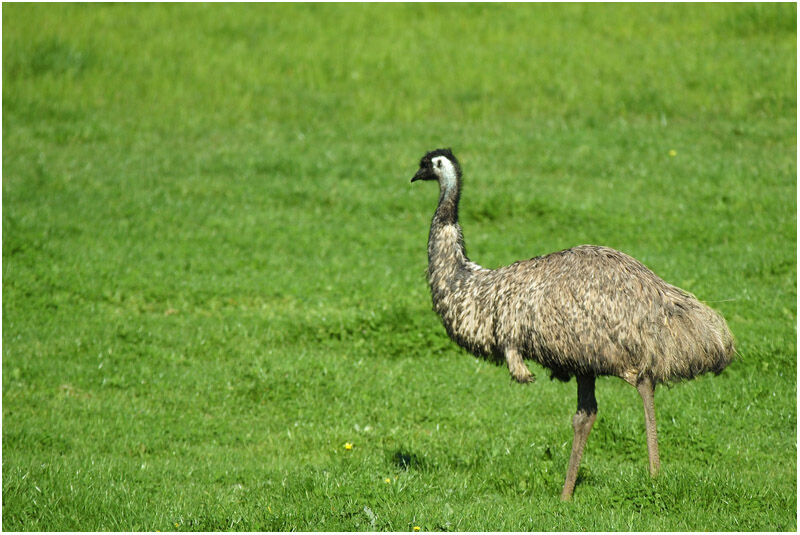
586,311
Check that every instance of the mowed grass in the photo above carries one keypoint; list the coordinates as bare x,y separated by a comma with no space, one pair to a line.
213,262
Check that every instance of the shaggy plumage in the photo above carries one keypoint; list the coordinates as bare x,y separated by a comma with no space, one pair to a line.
585,311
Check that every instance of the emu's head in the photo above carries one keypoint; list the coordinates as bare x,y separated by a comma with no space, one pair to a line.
441,165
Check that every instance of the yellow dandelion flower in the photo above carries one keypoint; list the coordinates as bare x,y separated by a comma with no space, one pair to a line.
416,528
673,152
348,446
388,480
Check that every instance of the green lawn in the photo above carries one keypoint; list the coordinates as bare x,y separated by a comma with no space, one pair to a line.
213,261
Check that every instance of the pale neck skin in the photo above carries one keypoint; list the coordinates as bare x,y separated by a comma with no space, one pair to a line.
446,171
449,191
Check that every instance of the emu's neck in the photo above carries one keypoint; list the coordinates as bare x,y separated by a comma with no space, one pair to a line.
449,195
447,257
453,278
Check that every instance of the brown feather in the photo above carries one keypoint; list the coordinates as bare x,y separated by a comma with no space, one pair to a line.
588,310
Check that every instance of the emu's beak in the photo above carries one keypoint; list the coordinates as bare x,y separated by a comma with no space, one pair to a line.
422,174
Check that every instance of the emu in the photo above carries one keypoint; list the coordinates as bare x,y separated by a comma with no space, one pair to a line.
587,311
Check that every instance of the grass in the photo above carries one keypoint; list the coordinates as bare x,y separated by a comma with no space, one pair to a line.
213,263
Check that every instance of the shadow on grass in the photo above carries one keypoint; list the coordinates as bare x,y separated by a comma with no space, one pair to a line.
404,460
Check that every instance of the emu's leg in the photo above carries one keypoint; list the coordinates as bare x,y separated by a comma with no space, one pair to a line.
582,425
517,367
646,389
